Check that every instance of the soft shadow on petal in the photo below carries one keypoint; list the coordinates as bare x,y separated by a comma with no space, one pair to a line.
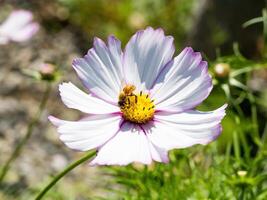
101,69
129,145
75,98
183,83
145,55
87,134
170,131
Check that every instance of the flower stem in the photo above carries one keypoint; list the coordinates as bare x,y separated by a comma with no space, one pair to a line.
64,172
28,134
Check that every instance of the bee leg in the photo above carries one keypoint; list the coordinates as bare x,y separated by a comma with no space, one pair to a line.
129,103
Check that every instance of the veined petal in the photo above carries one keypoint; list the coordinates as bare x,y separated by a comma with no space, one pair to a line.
75,98
181,130
146,54
89,134
183,83
101,69
129,145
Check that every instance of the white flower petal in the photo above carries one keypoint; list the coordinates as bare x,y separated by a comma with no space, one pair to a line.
146,54
183,83
18,27
87,135
73,97
24,33
16,20
158,154
101,69
181,130
129,145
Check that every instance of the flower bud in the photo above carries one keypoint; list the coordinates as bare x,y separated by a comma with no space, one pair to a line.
242,173
47,71
222,70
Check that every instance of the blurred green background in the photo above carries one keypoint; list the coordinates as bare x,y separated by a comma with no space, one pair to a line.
233,167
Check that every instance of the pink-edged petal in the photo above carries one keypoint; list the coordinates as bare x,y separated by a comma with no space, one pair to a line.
158,154
56,122
24,33
129,145
145,55
75,98
181,130
87,134
183,83
101,69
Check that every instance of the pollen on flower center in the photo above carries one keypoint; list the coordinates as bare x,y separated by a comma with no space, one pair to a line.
137,108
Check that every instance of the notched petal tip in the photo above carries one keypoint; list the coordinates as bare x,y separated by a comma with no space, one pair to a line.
55,121
64,84
99,43
61,85
171,39
164,160
184,52
188,49
196,55
113,41
221,111
148,28
75,62
159,30
224,106
217,133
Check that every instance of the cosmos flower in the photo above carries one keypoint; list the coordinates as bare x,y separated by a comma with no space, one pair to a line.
18,27
141,101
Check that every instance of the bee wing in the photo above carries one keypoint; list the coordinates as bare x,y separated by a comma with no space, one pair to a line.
123,83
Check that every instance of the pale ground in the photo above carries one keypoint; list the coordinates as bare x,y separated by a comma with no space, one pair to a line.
44,154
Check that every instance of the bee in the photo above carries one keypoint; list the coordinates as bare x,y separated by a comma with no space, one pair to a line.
127,91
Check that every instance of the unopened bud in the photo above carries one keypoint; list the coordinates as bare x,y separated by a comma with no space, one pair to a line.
222,70
47,71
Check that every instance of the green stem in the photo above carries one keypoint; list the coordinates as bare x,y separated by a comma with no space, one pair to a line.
254,118
236,147
264,16
65,171
241,197
28,134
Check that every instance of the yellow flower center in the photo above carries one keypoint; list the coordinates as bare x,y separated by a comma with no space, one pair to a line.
137,108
